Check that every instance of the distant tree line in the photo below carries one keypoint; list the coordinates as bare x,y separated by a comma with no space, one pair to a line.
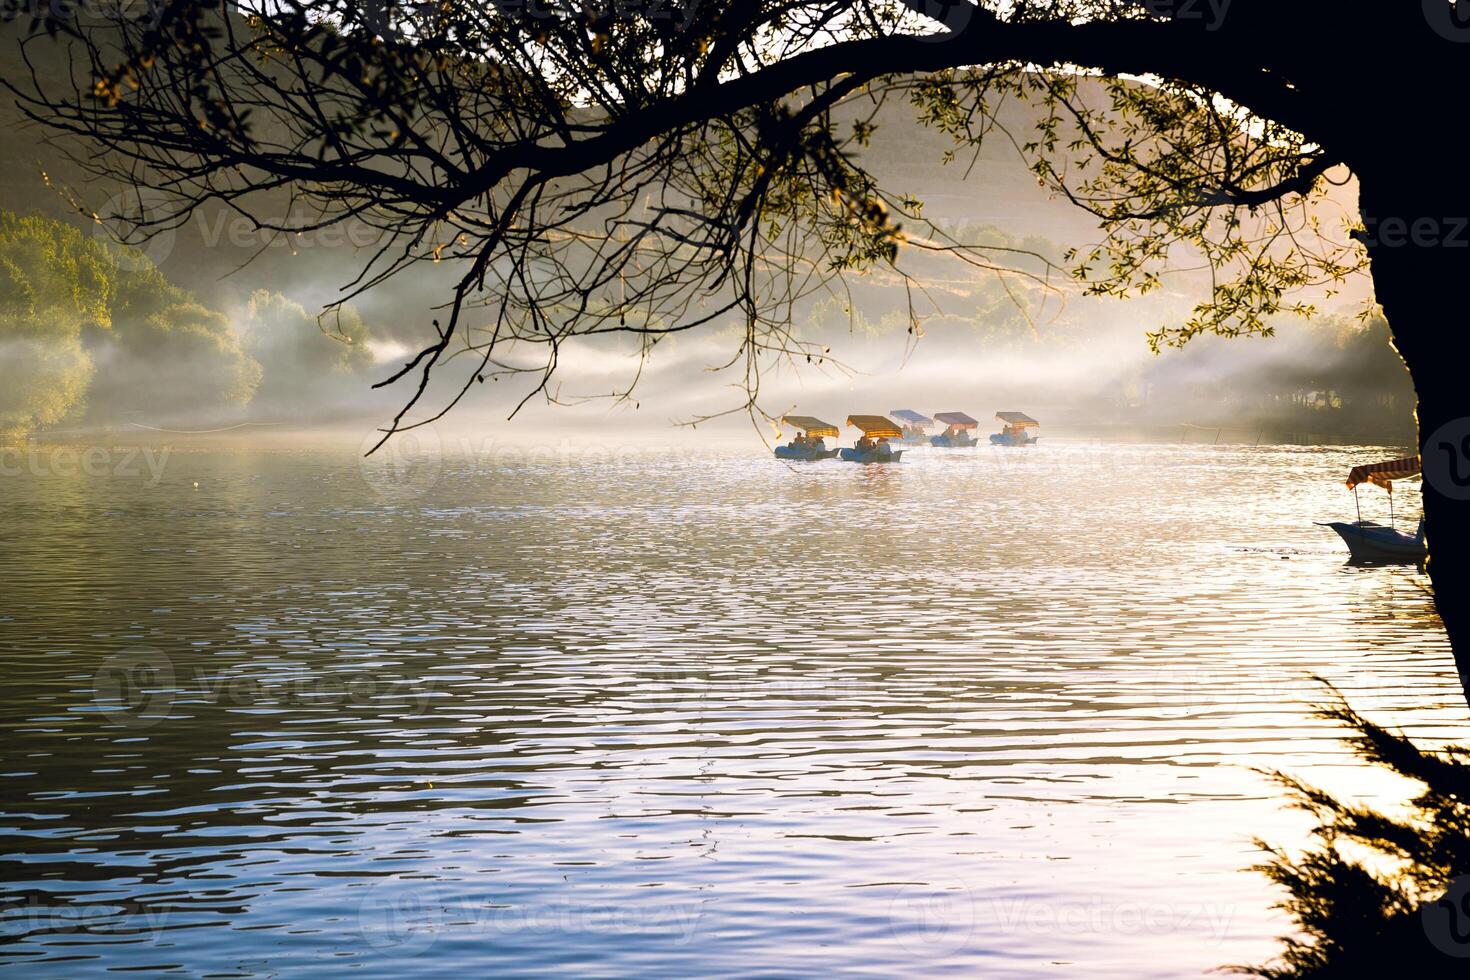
1335,377
94,334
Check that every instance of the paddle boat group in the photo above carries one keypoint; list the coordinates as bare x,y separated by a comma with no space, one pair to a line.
1016,431
875,445
883,436
1369,541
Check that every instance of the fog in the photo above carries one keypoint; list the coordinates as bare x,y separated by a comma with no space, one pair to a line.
1081,365
217,335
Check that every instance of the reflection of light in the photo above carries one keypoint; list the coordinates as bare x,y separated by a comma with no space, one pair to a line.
1052,708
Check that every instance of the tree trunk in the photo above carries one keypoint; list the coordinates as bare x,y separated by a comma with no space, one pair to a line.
1418,237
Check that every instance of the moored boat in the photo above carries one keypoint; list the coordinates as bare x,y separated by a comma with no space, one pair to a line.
956,434
810,442
874,446
1016,431
1368,541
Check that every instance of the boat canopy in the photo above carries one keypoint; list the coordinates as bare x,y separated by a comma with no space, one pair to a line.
1383,474
813,427
911,417
876,426
957,419
1019,420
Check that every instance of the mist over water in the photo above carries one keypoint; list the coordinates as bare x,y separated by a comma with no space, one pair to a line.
1102,384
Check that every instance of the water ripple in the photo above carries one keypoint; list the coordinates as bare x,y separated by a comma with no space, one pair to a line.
984,711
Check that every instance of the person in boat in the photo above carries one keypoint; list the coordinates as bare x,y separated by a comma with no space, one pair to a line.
818,445
864,445
800,441
882,448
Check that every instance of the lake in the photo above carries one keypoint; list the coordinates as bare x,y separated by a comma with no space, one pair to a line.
505,712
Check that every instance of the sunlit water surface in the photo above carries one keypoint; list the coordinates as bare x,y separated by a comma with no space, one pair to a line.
986,711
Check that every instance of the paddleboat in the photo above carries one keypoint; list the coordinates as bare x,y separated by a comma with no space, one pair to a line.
915,426
810,442
1015,432
874,446
957,432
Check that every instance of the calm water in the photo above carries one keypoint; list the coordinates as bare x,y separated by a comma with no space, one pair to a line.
981,712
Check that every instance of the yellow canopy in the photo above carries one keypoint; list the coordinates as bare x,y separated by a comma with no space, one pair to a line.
876,426
813,427
1019,420
1383,474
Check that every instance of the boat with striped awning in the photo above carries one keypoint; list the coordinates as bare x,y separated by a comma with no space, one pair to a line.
1016,431
956,434
1383,474
810,442
874,446
1369,541
915,426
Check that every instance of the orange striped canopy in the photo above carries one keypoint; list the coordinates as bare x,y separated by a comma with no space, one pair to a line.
1018,419
813,427
958,420
1383,474
876,426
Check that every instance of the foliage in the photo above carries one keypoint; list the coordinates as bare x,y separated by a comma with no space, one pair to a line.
52,282
1356,894
88,327
1171,168
1333,378
167,356
166,353
305,361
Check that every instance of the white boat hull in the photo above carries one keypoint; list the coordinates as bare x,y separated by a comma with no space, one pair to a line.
1369,542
